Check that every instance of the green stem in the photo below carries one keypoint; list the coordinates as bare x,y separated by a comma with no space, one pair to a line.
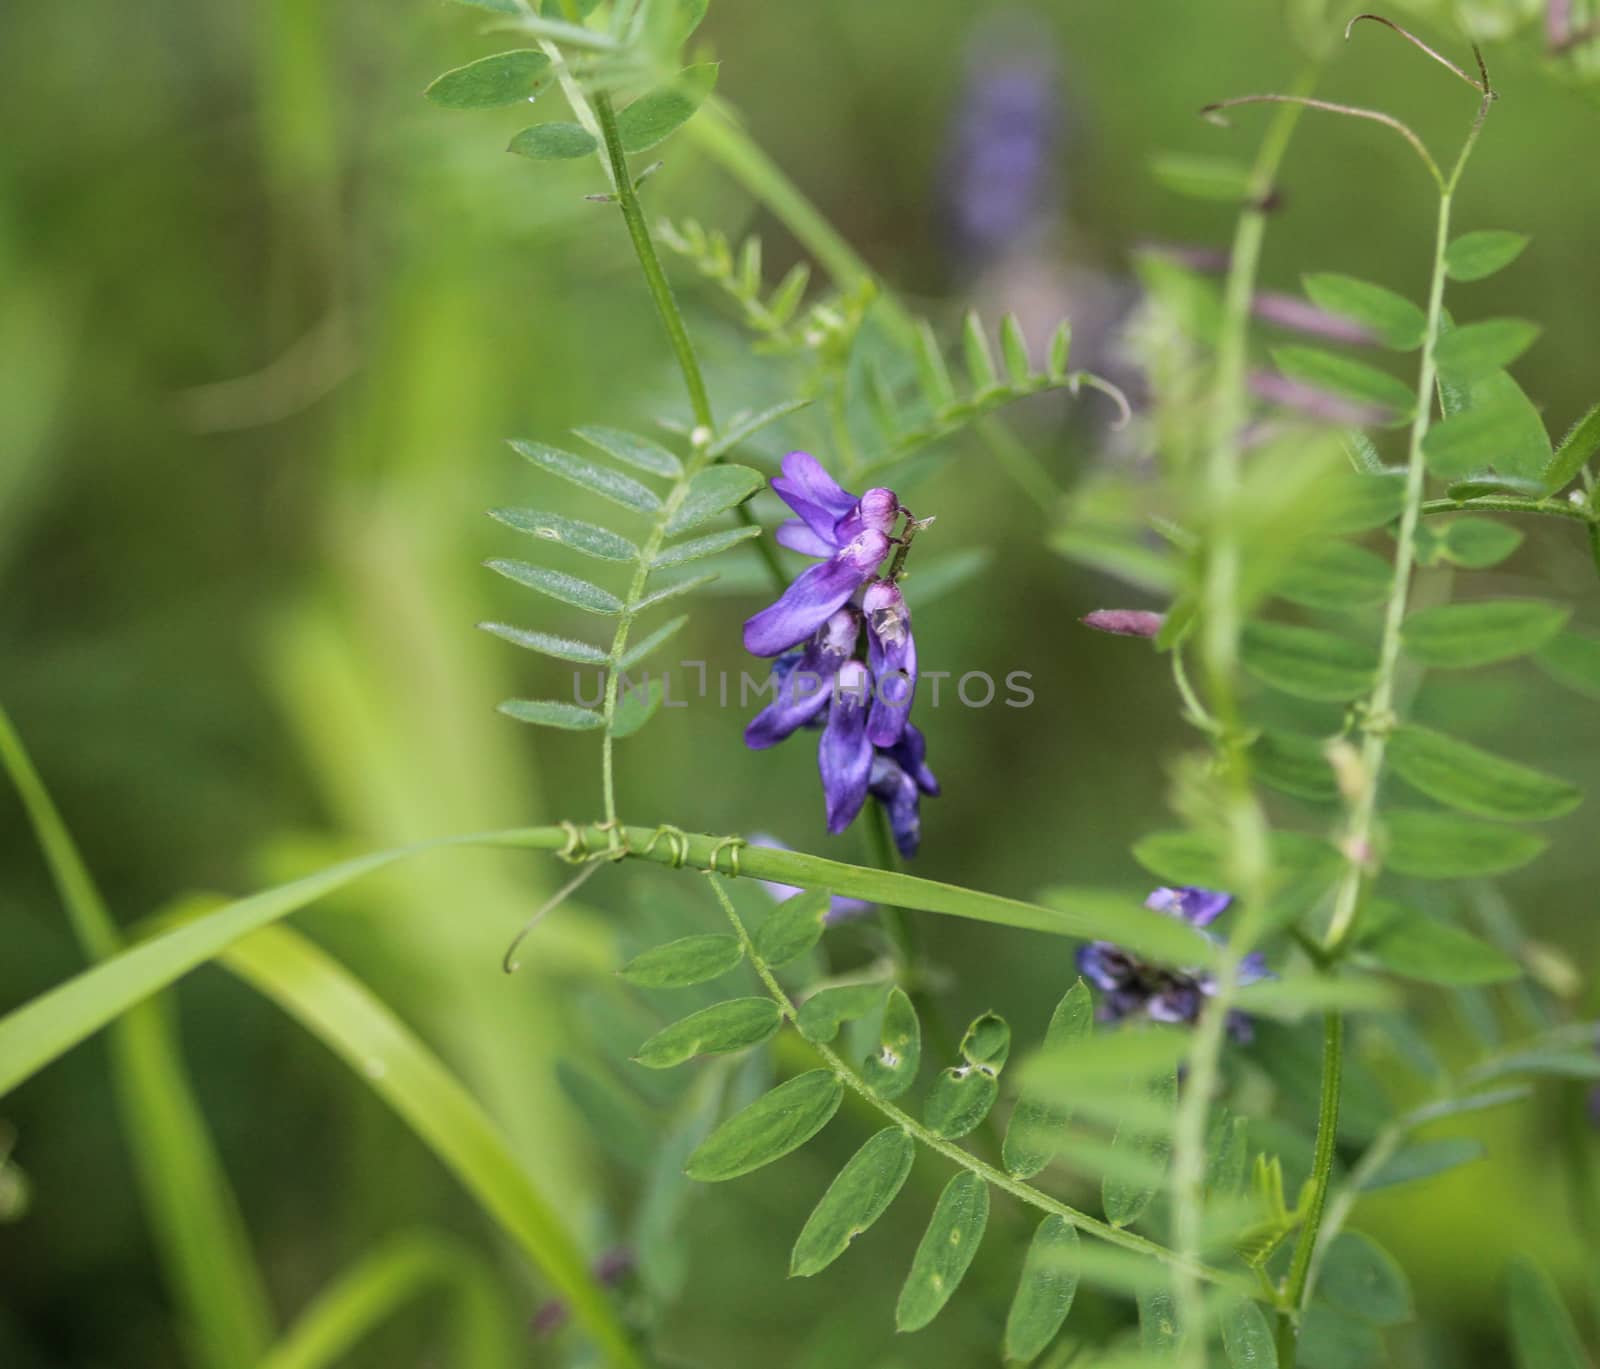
1557,508
1321,1177
1242,818
1023,1192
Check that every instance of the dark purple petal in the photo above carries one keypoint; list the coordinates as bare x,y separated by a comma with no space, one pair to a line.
805,680
844,756
1177,1002
1105,965
1124,622
902,800
818,593
812,493
797,536
892,654
909,754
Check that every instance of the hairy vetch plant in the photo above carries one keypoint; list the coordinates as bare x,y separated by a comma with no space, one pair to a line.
1303,516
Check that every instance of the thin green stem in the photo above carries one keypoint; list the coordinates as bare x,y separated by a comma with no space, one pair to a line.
1221,624
1023,1192
1555,508
1321,1176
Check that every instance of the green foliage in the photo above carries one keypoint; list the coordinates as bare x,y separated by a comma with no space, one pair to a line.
732,1026
1308,662
892,1068
1463,776
1044,1291
1542,1333
553,142
858,1196
507,78
1247,1337
1392,318
1479,255
945,1251
1032,1134
769,1128
659,113
1475,351
1359,1277
1346,377
1459,636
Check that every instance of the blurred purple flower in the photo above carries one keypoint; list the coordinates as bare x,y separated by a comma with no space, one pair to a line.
1132,987
862,707
610,1268
1000,182
1314,403
1124,622
1301,316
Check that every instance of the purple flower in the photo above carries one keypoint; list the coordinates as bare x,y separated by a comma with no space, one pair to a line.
1132,987
862,706
1124,622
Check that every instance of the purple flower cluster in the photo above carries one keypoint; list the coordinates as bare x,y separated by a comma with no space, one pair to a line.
820,678
1131,987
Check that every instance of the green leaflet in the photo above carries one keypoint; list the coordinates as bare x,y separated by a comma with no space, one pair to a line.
1307,662
553,142
552,713
591,540
1476,256
1460,775
1432,845
1476,543
1359,503
1201,858
1499,427
1460,636
892,1068
1128,1190
714,490
636,705
945,1252
769,1128
821,1015
1542,1333
793,927
1475,351
689,960
1294,764
660,637
1247,1337
858,1196
565,589
718,1030
622,1126
1330,1339
1348,378
1574,452
672,590
960,1098
504,79
586,475
1410,944
562,648
1394,320
1361,1278
698,547
1202,178
1336,575
1045,1291
632,450
1425,1160
742,429
1574,661
659,113
1158,1320
1031,1135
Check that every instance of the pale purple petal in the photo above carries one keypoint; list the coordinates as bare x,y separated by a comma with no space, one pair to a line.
1124,622
1197,907
877,510
1104,965
797,536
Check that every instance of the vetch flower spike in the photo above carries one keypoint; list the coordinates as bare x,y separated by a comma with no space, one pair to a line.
868,745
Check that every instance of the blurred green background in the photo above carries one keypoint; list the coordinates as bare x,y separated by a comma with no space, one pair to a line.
266,319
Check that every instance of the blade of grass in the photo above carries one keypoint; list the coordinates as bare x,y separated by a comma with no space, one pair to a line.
199,1235
385,1280
342,1012
41,1030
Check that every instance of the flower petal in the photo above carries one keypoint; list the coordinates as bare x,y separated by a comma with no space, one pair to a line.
1104,965
844,756
804,681
892,654
1197,907
902,800
910,753
812,493
797,536
818,593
